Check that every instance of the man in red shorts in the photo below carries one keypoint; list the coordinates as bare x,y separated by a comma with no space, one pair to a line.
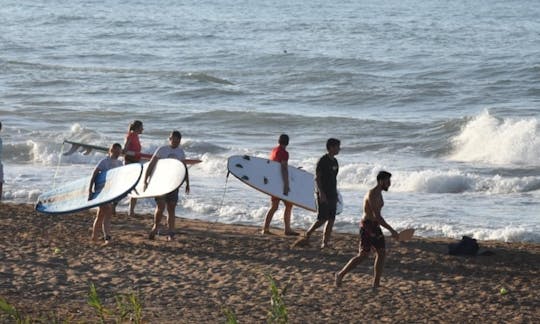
280,154
371,236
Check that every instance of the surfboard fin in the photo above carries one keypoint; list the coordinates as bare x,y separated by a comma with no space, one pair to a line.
72,150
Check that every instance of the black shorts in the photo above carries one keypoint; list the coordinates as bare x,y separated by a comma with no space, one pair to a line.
326,211
371,236
171,197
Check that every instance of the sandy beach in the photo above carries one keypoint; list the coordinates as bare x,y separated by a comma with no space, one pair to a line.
48,262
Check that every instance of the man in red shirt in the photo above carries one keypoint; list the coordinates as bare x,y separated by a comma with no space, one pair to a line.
280,154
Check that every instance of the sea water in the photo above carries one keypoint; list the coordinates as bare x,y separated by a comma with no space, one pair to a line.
443,94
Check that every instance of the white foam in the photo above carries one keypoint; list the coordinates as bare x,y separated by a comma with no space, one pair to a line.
487,139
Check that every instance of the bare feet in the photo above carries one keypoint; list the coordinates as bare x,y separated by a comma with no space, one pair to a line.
337,279
265,231
326,245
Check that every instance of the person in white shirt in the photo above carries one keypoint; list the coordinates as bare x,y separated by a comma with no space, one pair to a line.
173,150
105,211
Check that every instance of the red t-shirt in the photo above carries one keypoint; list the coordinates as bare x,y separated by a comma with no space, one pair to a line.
134,143
279,154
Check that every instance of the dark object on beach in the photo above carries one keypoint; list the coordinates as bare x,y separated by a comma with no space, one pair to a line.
467,246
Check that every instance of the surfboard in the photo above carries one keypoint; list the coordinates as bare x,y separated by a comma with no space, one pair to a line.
88,148
73,196
265,175
168,175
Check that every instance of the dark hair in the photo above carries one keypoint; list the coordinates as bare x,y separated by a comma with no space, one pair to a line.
176,134
331,142
283,139
383,175
135,124
116,145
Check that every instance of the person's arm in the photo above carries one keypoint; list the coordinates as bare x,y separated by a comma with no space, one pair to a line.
318,181
92,180
127,142
150,169
285,176
187,182
376,204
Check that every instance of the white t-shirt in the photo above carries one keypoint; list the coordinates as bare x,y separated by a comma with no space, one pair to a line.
108,163
169,152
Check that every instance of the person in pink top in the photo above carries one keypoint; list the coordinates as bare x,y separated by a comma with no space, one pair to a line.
132,153
280,154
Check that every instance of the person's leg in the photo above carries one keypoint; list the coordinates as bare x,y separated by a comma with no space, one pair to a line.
353,262
269,215
1,187
107,213
327,232
132,203
379,265
171,217
98,224
287,219
158,214
314,227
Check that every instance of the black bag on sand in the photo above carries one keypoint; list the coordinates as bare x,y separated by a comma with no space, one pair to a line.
467,246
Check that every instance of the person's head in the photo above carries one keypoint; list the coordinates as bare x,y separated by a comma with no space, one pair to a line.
383,179
174,138
283,139
115,150
333,146
136,126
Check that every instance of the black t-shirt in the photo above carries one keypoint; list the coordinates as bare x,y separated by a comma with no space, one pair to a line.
327,170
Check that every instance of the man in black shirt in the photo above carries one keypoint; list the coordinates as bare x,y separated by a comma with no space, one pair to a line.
327,197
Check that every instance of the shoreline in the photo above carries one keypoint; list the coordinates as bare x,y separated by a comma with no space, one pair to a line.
49,261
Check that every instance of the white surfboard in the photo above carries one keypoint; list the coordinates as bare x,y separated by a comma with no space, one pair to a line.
265,176
168,175
73,196
87,148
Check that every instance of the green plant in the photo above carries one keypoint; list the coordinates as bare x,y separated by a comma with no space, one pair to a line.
129,307
13,313
95,302
278,311
231,317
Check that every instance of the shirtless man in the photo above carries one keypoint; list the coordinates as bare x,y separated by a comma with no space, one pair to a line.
371,236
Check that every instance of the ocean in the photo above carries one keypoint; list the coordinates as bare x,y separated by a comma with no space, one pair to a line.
445,95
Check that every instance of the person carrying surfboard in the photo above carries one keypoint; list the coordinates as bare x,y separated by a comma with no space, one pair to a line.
280,154
327,195
132,153
371,236
173,150
105,211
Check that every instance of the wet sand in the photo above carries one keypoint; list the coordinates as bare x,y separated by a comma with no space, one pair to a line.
48,262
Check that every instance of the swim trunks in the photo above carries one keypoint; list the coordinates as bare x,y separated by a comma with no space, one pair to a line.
371,236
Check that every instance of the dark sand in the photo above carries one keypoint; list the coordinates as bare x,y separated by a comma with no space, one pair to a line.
48,262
